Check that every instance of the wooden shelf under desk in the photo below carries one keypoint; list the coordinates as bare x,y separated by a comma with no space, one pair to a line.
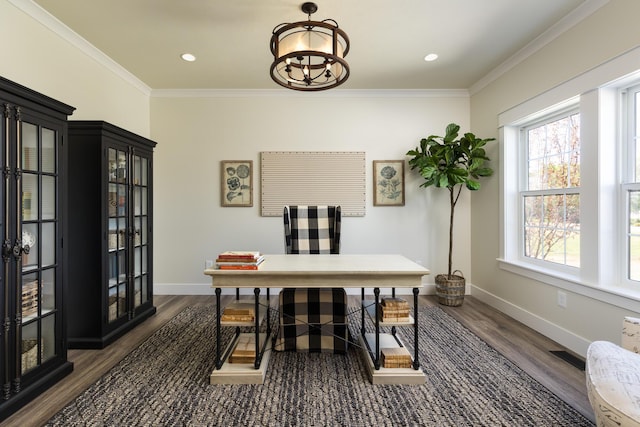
388,375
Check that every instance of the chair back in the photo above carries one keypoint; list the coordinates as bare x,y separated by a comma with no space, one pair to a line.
312,229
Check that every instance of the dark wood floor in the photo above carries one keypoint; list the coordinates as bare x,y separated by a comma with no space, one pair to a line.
522,345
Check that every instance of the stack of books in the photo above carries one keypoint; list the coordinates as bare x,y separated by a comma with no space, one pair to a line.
398,357
245,351
239,260
394,310
239,312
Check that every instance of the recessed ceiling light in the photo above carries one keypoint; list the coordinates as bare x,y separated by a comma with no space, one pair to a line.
188,57
431,57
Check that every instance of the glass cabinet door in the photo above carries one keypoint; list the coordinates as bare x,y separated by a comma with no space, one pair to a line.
141,251
39,229
118,207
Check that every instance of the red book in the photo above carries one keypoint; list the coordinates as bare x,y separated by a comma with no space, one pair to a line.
243,255
238,267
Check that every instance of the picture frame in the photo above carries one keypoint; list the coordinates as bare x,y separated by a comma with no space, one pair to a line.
388,183
236,183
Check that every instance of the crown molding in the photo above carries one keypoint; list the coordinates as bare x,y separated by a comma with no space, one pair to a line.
334,93
51,22
569,21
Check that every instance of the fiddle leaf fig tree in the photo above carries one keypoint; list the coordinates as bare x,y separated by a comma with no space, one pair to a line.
452,163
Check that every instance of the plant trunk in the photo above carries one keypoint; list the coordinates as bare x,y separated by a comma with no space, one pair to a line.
452,201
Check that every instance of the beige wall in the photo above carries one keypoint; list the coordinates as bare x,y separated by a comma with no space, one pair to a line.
195,134
601,37
36,57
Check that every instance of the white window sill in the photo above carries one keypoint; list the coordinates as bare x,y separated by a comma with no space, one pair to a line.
617,296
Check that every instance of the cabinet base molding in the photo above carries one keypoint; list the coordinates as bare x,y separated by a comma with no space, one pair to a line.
101,342
388,375
242,373
34,389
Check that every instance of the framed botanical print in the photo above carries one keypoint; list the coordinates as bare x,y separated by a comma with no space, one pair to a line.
388,182
236,183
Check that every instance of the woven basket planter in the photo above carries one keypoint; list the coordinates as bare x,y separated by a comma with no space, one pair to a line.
450,289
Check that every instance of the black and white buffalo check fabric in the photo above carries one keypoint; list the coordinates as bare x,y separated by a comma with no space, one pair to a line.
313,320
312,229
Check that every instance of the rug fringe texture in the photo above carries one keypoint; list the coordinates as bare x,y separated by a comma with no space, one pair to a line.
165,382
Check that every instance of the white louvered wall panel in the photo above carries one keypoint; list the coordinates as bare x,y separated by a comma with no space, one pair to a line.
313,178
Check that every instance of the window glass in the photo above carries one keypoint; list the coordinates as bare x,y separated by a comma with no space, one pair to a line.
550,199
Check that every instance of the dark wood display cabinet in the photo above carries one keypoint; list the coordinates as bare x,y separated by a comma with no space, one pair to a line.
33,348
110,287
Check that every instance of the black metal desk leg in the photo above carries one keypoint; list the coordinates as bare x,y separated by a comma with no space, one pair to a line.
376,362
362,308
268,313
218,360
416,362
256,292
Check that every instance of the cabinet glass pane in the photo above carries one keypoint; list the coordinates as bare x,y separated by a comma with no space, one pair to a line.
144,201
48,290
122,166
112,168
30,238
122,200
137,232
30,300
48,197
31,347
144,260
145,288
137,295
137,170
137,256
48,151
137,201
29,197
112,202
113,269
144,234
144,173
48,337
122,241
48,244
29,147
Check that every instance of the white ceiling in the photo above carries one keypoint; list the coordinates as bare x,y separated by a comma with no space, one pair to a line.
389,39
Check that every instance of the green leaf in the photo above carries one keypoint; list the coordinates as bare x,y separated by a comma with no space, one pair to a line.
484,172
473,185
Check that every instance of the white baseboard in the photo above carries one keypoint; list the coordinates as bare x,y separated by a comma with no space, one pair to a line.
206,289
557,333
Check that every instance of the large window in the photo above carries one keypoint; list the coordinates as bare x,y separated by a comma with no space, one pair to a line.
631,184
570,180
550,196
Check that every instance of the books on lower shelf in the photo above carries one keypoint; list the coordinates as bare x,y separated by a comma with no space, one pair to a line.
394,309
398,357
239,312
245,351
239,260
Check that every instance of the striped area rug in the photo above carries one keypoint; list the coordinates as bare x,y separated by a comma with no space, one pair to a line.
165,382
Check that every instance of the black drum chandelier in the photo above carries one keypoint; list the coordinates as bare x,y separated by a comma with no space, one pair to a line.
309,55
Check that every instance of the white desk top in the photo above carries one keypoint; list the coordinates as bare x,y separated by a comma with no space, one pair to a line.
341,270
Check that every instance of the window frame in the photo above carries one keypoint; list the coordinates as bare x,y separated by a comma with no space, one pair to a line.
628,175
597,93
523,191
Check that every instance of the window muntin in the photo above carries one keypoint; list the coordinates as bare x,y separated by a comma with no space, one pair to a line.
550,198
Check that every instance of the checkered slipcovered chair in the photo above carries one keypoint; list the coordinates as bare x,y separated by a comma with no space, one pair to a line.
312,320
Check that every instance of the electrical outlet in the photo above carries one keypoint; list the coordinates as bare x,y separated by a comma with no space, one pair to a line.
562,299
208,263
